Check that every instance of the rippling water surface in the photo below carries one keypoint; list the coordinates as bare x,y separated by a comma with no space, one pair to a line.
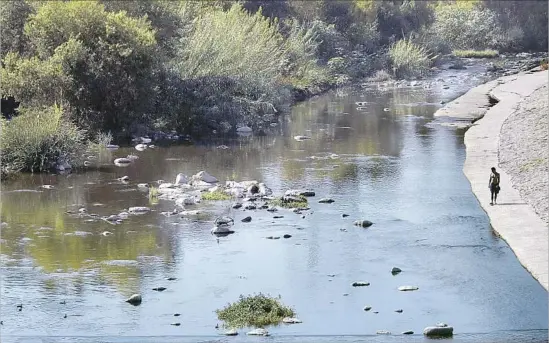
396,168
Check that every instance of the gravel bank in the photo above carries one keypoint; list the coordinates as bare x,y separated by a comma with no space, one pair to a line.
524,150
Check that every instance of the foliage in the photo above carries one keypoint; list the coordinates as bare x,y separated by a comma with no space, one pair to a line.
257,310
465,26
37,139
12,21
108,58
216,195
408,59
476,53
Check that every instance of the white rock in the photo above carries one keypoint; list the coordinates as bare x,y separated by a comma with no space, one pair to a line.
408,288
132,157
140,147
301,138
106,233
204,176
135,299
122,162
145,140
292,320
258,332
244,129
166,185
231,332
142,185
181,179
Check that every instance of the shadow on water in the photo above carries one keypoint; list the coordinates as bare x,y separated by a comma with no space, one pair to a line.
383,161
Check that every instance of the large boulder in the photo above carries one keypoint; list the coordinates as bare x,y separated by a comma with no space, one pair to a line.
205,177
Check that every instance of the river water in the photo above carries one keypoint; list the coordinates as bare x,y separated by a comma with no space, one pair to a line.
397,168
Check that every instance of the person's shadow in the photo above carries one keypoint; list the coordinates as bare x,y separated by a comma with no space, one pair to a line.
510,203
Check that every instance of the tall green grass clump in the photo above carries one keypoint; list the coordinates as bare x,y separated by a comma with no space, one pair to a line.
38,139
257,310
409,59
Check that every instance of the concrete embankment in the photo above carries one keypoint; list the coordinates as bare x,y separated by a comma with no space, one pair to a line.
512,218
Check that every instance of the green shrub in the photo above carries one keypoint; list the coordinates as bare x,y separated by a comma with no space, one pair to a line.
257,310
476,53
409,59
37,139
216,195
464,25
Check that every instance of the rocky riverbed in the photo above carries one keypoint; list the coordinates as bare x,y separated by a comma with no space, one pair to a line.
524,150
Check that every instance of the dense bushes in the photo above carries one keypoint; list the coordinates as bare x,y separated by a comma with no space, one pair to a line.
38,139
126,67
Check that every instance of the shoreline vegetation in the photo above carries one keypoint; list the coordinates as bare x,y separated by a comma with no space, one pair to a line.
77,75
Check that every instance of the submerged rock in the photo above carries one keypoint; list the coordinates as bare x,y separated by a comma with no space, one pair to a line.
399,311
159,289
436,331
247,219
258,332
396,270
367,308
134,299
287,236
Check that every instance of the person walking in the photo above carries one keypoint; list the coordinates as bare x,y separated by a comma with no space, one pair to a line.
493,184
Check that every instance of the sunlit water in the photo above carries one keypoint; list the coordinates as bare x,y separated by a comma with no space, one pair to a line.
396,168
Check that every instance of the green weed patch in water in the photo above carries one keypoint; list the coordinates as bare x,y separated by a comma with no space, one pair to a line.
300,202
217,195
254,311
476,53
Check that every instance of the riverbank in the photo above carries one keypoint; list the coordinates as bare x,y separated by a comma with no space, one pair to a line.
513,218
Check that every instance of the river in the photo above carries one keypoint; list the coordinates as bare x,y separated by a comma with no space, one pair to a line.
388,161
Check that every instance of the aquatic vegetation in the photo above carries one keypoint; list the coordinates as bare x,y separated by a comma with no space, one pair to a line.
153,195
290,202
254,310
216,195
488,53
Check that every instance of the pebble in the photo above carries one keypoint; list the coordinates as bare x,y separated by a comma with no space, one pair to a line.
176,314
367,308
247,220
175,324
344,215
287,236
399,311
